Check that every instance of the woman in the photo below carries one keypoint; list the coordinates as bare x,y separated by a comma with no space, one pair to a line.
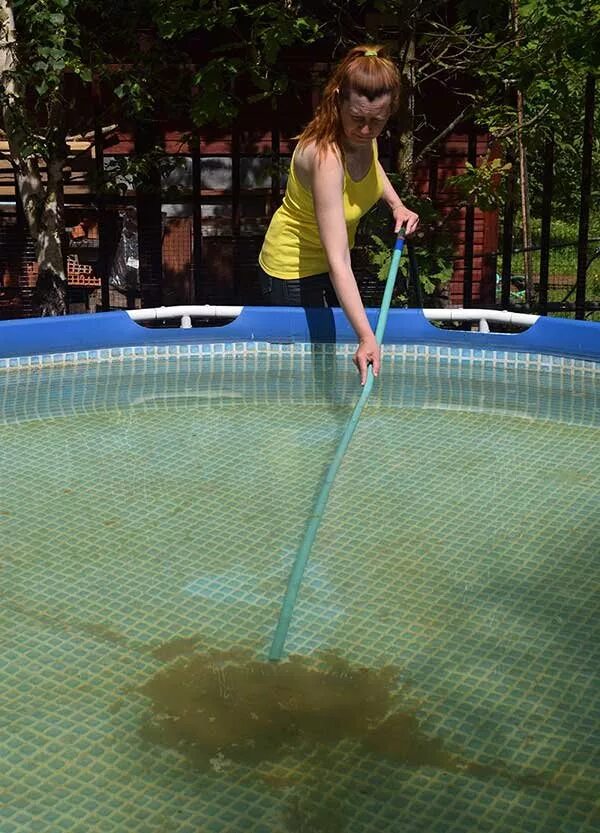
335,178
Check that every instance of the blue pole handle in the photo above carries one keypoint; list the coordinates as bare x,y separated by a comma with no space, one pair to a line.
297,573
389,287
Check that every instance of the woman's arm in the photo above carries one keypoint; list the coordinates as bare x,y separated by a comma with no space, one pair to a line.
327,186
402,215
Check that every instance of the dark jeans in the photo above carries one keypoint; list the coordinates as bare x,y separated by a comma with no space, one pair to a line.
312,291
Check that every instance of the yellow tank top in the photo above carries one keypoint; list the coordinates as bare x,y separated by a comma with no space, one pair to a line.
292,247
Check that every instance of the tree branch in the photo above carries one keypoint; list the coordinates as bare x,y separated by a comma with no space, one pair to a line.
502,134
441,135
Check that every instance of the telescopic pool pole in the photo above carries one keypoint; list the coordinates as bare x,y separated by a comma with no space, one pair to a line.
295,579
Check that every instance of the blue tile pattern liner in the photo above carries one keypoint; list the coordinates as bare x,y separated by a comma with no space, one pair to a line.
155,497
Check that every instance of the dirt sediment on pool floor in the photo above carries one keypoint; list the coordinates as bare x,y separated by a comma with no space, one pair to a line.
219,709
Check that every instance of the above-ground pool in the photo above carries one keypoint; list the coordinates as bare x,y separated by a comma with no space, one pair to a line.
442,664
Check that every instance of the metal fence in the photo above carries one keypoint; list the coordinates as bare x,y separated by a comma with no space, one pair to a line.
577,294
195,237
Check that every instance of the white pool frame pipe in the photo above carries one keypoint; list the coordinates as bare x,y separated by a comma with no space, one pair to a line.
482,316
186,313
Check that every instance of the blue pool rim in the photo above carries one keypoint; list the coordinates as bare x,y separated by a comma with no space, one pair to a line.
287,325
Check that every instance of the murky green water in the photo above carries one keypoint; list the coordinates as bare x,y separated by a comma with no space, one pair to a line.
443,670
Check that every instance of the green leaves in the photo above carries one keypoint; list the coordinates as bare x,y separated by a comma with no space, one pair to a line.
433,246
243,42
136,95
483,185
213,101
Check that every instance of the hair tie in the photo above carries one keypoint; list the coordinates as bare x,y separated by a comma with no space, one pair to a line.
370,53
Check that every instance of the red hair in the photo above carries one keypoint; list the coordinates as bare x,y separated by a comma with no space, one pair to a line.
365,70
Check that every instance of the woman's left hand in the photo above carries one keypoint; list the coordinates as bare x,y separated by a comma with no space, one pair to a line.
368,353
404,217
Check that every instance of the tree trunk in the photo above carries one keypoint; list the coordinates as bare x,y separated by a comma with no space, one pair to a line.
525,210
524,176
50,295
42,204
404,159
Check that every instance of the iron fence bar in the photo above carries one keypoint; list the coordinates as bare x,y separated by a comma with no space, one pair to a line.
275,157
236,179
570,306
23,244
102,261
196,216
149,217
589,262
469,229
586,191
433,177
519,249
547,188
236,201
413,272
507,237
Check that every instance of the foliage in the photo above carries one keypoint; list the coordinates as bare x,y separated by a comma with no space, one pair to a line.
433,248
240,61
556,46
64,60
153,54
140,50
483,185
207,58
563,251
470,53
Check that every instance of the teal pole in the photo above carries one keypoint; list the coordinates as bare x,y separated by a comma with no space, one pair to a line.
297,573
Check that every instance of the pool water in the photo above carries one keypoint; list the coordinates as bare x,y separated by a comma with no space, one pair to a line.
443,658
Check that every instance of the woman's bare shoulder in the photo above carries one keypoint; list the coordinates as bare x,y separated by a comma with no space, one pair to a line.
308,161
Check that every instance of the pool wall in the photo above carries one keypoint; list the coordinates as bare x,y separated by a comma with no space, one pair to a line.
38,336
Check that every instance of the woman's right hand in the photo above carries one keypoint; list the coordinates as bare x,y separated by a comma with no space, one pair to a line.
368,353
